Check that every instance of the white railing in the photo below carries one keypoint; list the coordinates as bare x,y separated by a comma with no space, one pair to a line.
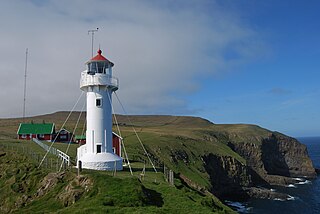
98,79
53,151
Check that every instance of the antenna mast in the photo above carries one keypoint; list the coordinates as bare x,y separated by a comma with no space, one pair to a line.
92,35
25,86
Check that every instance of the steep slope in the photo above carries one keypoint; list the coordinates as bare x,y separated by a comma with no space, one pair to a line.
25,188
274,156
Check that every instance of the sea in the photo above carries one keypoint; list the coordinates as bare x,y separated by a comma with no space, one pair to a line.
305,194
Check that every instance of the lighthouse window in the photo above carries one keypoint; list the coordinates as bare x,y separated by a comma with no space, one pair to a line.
98,148
98,102
92,68
100,67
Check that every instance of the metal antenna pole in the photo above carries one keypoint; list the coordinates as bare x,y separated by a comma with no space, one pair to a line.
92,35
25,86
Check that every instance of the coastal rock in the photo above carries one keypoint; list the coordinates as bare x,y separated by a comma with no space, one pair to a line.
227,176
263,193
285,156
275,160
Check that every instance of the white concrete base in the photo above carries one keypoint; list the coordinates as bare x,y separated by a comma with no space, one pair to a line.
101,161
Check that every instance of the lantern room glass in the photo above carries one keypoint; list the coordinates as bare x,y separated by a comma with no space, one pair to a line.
99,67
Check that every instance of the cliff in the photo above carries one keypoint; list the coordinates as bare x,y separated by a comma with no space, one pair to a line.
275,159
271,159
227,176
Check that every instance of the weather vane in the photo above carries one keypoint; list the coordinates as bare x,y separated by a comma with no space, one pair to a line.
92,35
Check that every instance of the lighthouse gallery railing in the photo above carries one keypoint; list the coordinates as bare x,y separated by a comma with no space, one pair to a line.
98,79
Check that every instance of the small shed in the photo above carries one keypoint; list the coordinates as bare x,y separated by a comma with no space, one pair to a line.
116,144
41,131
81,139
64,136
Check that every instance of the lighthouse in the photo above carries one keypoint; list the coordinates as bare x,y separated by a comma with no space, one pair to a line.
99,84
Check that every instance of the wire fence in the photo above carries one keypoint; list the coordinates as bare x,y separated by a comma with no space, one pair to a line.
168,175
159,164
54,161
50,162
63,156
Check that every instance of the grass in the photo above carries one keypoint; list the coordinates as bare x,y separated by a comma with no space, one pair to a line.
18,178
21,180
240,133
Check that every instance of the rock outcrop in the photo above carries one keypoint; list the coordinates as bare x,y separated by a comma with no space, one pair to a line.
264,193
285,156
276,160
227,175
273,160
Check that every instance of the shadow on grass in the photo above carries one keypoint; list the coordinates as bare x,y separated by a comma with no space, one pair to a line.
154,198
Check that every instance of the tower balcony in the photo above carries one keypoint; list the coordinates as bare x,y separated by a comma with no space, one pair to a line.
98,79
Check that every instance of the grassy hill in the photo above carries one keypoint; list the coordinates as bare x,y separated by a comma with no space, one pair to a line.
25,188
176,142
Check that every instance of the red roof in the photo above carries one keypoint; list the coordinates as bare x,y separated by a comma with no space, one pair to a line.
99,57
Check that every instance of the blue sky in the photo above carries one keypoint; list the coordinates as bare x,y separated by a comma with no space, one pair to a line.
229,61
279,91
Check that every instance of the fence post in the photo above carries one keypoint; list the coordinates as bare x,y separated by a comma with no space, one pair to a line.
64,164
171,181
79,167
165,173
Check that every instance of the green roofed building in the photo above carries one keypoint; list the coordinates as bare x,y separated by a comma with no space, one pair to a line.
80,139
41,131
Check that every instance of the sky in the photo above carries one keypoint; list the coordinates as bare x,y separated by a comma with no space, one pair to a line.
229,61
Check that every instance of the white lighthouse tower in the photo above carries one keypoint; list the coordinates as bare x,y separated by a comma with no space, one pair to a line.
98,83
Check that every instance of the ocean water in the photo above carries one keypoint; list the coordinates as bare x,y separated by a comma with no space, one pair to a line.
305,194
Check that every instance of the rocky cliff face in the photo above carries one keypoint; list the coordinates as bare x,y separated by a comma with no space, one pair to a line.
275,160
285,156
227,176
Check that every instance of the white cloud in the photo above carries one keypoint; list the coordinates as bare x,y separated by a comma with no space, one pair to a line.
158,49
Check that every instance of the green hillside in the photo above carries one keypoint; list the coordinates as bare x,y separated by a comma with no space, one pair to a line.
173,142
25,188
